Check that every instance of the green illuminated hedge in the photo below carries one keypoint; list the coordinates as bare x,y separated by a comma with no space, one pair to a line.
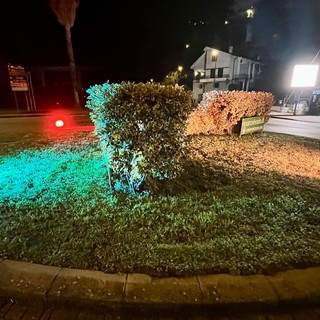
141,129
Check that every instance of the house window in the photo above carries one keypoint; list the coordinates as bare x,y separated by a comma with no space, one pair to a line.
212,73
216,85
220,72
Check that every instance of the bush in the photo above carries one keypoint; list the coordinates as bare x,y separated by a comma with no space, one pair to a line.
141,128
220,112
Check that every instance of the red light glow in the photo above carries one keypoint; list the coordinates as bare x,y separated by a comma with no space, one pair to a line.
59,123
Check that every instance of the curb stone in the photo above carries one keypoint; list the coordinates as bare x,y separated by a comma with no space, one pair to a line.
22,279
95,288
142,293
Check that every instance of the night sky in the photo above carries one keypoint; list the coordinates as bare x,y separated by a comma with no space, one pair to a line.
139,40
133,40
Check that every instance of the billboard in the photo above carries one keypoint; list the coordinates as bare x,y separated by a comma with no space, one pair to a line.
18,78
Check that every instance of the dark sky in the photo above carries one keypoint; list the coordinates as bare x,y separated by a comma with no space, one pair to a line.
138,40
131,39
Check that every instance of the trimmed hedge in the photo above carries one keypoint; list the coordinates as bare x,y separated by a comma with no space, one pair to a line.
220,111
141,129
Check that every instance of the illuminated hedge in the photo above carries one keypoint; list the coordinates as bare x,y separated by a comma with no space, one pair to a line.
141,129
220,111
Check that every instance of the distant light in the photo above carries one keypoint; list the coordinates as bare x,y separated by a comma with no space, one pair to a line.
226,22
151,80
304,76
180,68
187,46
250,13
59,123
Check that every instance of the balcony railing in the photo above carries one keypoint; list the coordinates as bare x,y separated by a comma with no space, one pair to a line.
240,76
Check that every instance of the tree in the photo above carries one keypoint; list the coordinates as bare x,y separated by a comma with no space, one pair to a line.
174,77
65,10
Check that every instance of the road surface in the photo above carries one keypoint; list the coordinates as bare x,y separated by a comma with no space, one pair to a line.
294,127
37,124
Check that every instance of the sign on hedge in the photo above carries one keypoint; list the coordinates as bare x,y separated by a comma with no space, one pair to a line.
251,125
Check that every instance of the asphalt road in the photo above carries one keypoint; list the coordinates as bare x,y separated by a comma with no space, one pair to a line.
294,127
40,123
37,124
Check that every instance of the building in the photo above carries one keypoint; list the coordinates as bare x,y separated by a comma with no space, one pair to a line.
218,70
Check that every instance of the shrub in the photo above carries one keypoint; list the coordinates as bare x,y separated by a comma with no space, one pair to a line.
141,129
220,111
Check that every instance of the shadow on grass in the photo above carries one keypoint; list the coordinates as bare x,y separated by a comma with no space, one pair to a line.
197,177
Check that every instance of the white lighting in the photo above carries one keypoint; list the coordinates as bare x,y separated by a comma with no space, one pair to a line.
59,123
304,76
250,13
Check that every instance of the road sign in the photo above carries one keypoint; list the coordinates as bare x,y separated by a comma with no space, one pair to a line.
251,125
18,78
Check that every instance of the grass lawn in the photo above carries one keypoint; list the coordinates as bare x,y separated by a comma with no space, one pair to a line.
242,206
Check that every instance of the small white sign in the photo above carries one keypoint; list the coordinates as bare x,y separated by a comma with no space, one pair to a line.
304,76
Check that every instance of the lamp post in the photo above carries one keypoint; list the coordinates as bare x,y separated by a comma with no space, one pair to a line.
214,55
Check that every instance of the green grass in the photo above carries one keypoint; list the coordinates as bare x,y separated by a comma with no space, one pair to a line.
55,210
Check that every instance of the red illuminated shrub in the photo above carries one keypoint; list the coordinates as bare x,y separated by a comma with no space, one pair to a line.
220,112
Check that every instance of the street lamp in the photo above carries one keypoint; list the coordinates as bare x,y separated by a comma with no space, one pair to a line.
304,76
214,56
180,68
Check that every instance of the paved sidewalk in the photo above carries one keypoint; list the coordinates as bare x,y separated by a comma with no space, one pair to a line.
16,310
141,293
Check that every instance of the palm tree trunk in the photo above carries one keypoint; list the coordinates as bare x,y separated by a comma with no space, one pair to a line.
72,66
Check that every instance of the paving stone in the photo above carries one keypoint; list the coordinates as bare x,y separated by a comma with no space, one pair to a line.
297,285
313,315
235,290
82,316
252,317
34,312
317,311
302,315
47,314
141,288
16,312
22,279
88,288
5,308
280,317
94,316
64,314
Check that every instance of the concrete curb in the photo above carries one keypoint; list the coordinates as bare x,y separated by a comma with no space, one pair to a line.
142,293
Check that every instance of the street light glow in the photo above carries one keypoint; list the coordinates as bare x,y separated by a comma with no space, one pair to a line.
304,76
180,68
